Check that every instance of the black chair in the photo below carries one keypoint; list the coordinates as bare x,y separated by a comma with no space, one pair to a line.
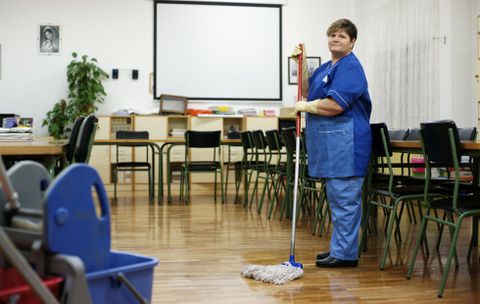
72,140
277,169
467,133
132,166
289,140
413,135
201,140
441,148
84,142
68,158
260,163
398,134
246,165
387,193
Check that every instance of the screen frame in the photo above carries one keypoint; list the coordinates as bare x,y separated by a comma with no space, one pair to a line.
278,95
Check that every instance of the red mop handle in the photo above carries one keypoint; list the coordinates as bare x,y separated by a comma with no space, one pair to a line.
299,92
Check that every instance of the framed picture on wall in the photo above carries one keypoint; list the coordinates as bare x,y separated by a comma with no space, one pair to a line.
312,62
49,37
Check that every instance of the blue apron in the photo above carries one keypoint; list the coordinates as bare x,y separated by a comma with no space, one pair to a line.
339,146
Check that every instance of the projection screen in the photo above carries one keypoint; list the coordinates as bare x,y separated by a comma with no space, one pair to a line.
217,51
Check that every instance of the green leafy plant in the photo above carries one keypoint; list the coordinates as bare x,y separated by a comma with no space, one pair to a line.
57,120
86,90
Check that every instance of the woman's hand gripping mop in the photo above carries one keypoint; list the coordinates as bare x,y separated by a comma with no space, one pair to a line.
291,270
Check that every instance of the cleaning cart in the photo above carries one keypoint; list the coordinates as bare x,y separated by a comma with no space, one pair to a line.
65,240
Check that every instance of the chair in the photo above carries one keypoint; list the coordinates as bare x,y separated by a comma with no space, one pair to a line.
260,163
201,140
246,165
276,169
84,142
467,133
441,148
68,158
72,140
132,166
386,193
289,140
398,134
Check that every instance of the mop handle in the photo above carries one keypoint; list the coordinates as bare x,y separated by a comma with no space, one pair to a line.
297,152
299,90
10,194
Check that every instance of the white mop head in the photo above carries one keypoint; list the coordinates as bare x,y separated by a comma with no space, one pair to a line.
276,274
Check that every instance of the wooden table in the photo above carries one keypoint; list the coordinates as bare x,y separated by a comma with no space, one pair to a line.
160,147
469,147
45,150
39,147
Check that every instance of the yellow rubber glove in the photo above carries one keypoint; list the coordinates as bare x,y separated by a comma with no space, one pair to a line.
298,51
307,106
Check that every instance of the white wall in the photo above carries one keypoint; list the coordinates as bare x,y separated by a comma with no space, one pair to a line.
457,61
119,33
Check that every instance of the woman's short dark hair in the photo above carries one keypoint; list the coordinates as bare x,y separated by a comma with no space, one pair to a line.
343,24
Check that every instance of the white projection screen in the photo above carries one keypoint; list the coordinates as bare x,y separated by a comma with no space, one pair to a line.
217,51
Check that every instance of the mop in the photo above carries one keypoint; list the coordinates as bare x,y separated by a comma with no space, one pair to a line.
291,270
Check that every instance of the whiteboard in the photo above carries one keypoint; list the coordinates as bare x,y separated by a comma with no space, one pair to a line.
217,51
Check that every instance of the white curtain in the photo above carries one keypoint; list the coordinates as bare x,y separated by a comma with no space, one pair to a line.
400,58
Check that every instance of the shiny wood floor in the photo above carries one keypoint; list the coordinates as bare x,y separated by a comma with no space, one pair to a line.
202,247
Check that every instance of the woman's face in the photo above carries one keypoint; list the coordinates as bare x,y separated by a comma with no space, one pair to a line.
48,35
340,43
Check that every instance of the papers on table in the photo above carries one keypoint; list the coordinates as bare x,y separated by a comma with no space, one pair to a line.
16,134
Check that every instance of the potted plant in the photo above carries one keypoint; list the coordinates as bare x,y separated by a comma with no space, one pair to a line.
85,91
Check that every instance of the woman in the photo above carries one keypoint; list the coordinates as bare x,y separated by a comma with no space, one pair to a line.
48,44
338,138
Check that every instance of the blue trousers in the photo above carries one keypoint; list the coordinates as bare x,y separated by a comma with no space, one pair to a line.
345,200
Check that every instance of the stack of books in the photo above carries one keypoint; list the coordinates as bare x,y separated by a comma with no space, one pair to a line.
177,132
16,134
222,110
248,112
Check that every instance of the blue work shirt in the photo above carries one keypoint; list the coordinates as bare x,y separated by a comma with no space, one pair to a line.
339,146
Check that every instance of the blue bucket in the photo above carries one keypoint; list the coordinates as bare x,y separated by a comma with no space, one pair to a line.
105,286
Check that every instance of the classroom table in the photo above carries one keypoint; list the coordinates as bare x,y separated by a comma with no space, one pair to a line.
160,147
38,147
45,149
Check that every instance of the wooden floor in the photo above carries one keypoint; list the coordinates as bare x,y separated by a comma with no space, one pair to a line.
203,246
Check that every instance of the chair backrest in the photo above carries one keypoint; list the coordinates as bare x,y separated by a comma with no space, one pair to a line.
247,141
272,138
467,133
72,140
437,139
132,135
378,149
85,139
259,140
202,139
398,134
414,134
289,140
